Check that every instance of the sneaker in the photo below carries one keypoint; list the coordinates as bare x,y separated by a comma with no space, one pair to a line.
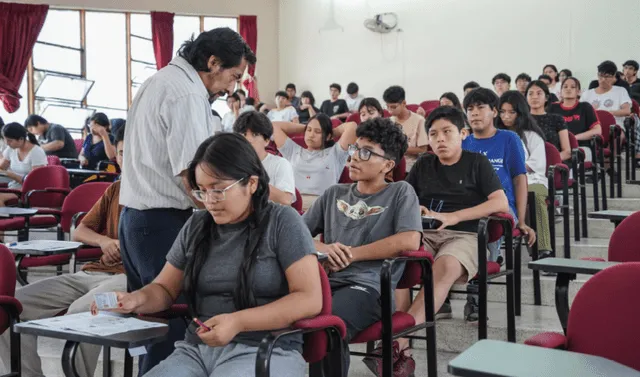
445,311
471,308
405,366
375,363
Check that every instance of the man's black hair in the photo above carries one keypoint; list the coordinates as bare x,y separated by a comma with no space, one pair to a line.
632,63
1,122
234,96
545,77
254,121
291,86
523,76
250,101
501,76
470,85
223,43
608,68
281,93
388,134
33,120
481,96
120,134
394,94
450,113
241,91
352,88
336,86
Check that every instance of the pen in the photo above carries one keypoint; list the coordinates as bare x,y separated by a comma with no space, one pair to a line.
200,324
13,244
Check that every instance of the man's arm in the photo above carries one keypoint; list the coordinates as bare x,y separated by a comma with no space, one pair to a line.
53,146
279,196
188,189
625,111
389,247
521,192
587,135
415,151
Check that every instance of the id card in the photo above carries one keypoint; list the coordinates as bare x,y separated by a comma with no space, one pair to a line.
107,300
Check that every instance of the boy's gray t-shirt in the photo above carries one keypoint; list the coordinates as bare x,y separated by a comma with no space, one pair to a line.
285,240
343,214
57,132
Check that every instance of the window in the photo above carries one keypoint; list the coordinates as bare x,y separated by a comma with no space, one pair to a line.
184,27
58,45
214,22
106,54
143,61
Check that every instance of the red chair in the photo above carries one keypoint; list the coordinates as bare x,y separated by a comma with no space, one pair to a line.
10,308
336,122
355,117
623,244
558,176
400,171
297,205
78,143
631,146
344,177
602,320
299,139
430,105
386,113
53,160
75,206
610,150
413,107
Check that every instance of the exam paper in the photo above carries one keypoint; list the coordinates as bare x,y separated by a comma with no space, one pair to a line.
103,324
45,245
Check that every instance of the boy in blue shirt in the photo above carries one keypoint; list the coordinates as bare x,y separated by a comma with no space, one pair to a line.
505,151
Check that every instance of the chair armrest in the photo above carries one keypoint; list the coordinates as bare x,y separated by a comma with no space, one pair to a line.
10,302
595,259
417,255
322,322
11,191
76,219
548,340
48,190
497,222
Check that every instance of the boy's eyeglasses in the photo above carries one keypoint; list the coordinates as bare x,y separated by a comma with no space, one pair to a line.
363,153
214,195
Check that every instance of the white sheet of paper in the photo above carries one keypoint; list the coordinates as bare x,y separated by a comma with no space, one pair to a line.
106,300
137,351
103,324
45,245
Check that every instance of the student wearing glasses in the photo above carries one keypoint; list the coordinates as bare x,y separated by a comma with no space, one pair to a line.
607,96
245,265
364,223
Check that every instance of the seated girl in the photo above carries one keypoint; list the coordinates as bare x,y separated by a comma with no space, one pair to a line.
245,265
98,144
552,125
320,165
23,154
515,116
370,108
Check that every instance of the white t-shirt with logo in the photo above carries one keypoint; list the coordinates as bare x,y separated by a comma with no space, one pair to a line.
285,115
353,103
609,101
227,121
280,174
35,157
315,171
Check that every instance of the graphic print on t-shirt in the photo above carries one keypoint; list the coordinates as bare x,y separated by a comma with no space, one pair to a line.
335,109
608,103
358,211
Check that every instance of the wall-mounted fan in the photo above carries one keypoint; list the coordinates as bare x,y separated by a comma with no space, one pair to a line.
382,23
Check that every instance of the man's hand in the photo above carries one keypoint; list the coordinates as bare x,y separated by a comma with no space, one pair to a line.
447,219
110,251
339,255
421,112
527,231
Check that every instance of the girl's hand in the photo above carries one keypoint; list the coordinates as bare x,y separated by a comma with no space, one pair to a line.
224,328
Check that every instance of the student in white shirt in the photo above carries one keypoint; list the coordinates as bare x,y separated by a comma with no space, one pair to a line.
608,97
283,112
353,98
515,116
319,165
22,155
257,129
233,101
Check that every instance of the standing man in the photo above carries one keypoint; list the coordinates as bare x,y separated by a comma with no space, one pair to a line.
169,118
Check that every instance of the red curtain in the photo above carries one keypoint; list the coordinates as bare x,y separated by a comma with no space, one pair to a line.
20,25
162,37
249,31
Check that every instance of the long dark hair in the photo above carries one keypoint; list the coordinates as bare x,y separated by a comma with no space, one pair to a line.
16,131
371,102
327,129
453,98
228,156
524,120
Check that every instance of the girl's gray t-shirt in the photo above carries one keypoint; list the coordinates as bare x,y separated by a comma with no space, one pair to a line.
285,240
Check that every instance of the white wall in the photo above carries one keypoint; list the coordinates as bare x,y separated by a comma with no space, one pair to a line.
266,10
445,43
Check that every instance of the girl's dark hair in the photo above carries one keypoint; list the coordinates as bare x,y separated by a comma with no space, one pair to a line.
524,120
16,131
255,122
453,98
223,43
574,80
371,102
228,156
540,84
567,72
554,70
101,119
327,129
308,94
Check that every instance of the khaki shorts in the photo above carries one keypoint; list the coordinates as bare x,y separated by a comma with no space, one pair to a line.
461,245
307,201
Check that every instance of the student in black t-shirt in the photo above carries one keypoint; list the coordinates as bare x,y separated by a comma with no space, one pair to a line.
630,75
307,108
54,138
469,189
335,108
580,117
553,126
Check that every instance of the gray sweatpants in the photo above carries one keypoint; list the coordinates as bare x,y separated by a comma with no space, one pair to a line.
47,298
232,360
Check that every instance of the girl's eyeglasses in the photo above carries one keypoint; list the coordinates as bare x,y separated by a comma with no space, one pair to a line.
214,195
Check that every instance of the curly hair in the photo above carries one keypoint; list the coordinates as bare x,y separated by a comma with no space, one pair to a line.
388,134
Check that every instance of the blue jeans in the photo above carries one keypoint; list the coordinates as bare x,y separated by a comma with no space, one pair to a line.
145,239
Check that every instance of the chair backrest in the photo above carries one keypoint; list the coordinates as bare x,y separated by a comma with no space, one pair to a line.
413,107
299,139
428,106
7,281
400,171
635,107
606,122
315,343
53,160
335,122
603,320
355,117
50,176
81,199
386,113
344,177
553,158
573,142
78,143
273,149
624,245
297,205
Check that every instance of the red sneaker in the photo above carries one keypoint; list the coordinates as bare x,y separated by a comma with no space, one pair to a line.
405,366
375,363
